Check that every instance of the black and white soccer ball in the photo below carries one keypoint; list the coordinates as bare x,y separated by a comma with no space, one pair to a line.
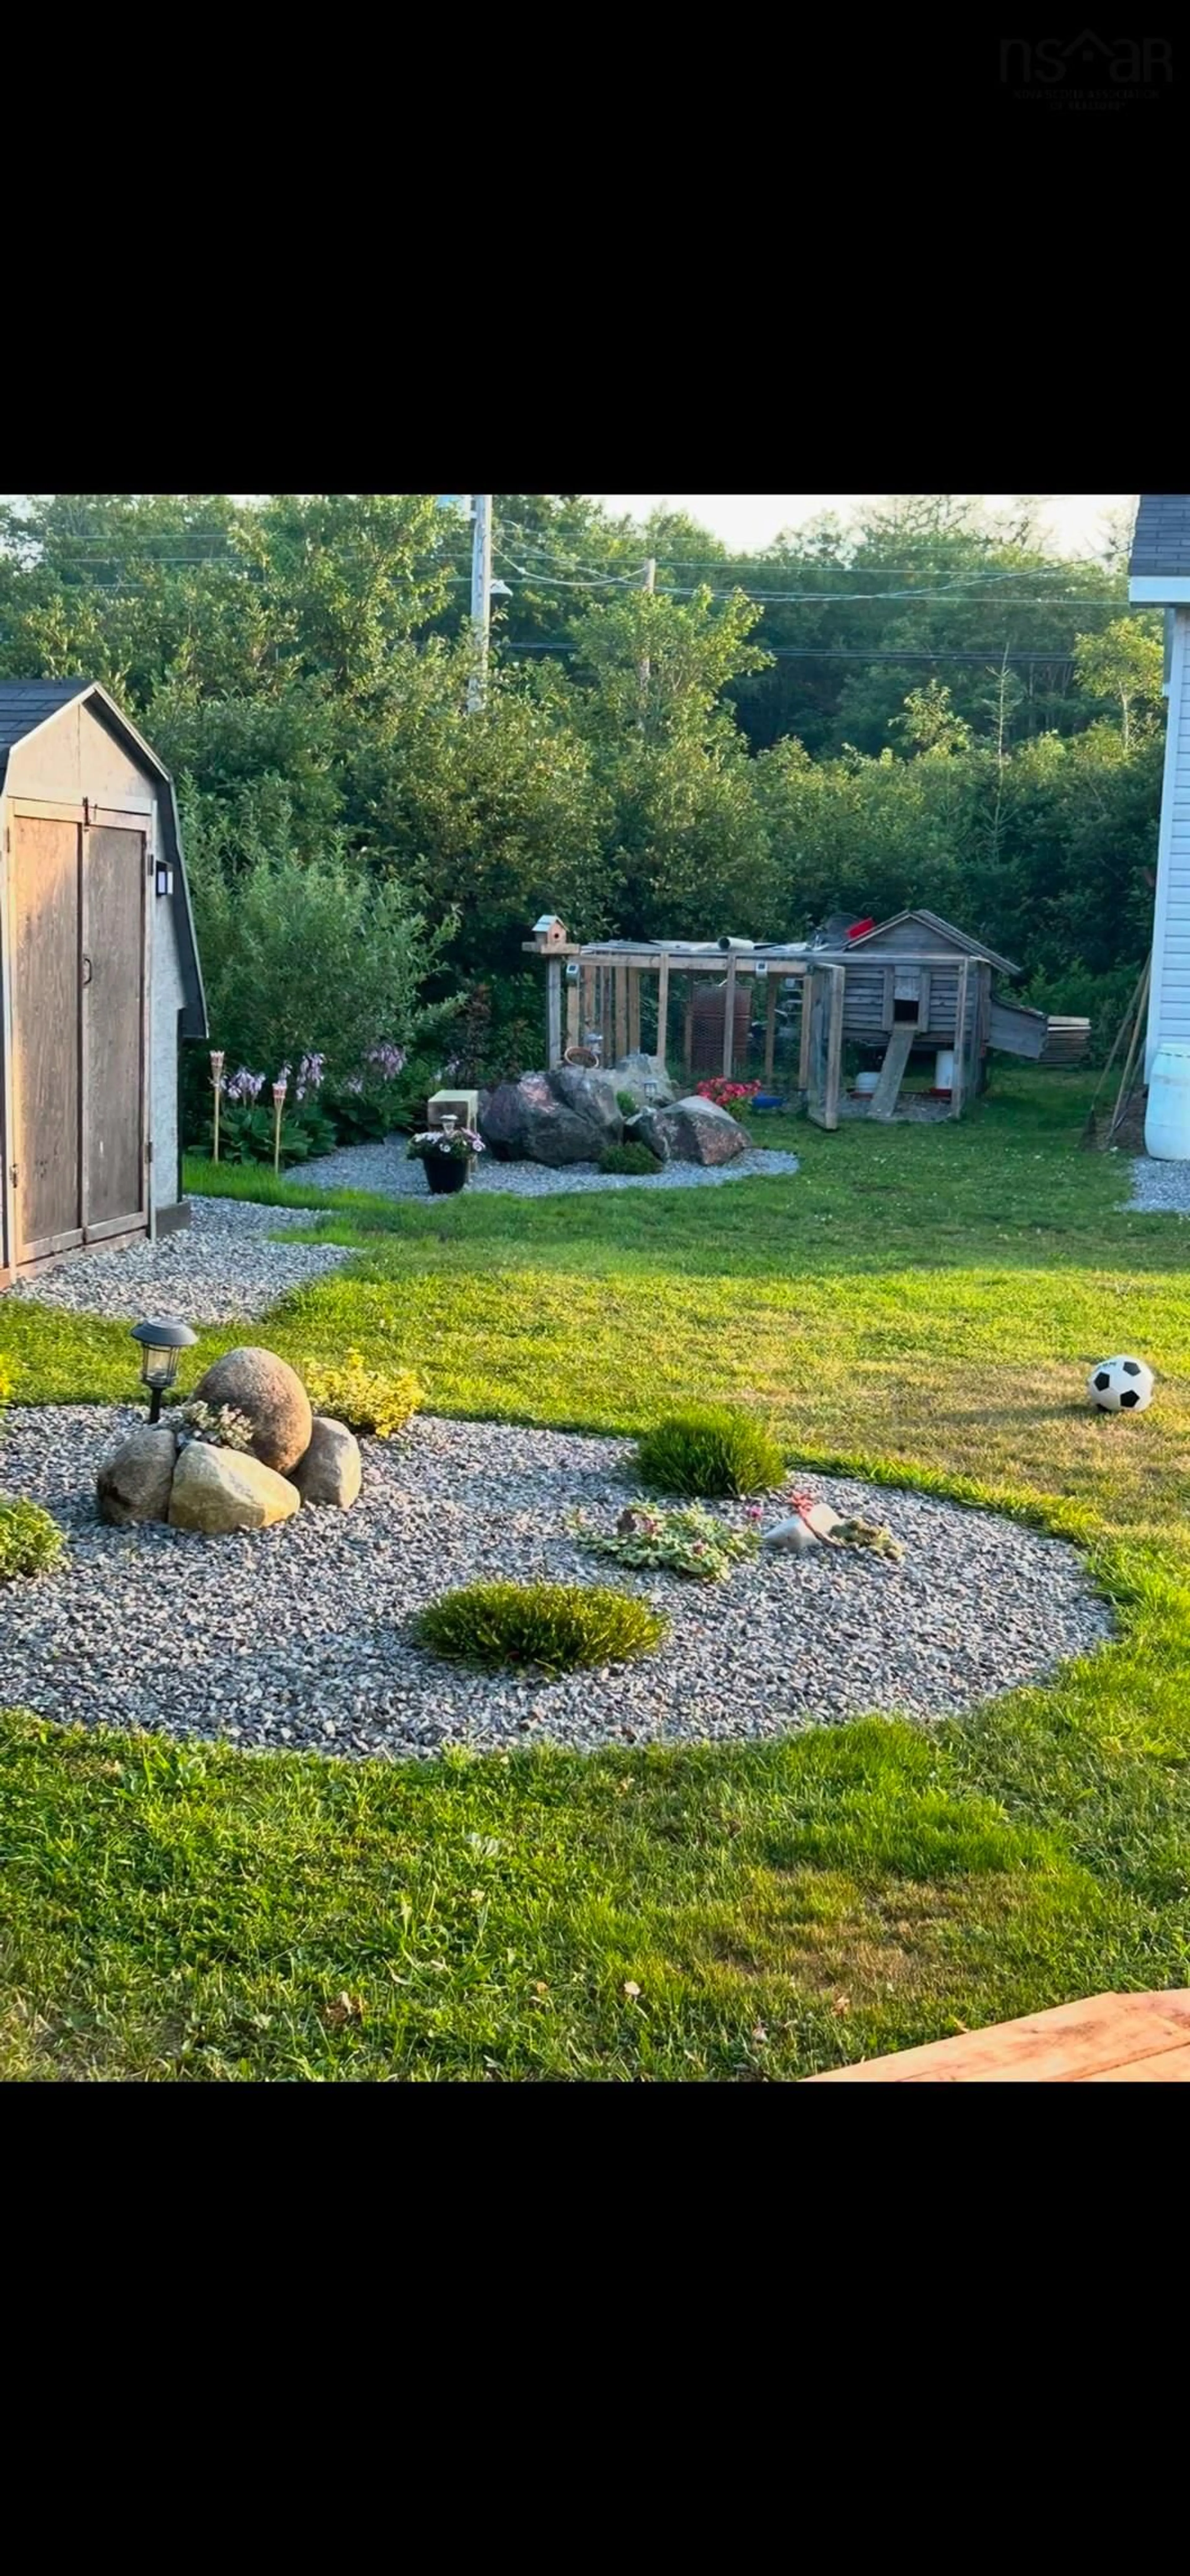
1121,1386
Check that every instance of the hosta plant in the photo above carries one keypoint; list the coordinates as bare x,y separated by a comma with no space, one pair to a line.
539,1627
376,1402
683,1542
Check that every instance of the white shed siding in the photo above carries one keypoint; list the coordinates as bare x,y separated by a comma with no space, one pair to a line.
1169,997
167,999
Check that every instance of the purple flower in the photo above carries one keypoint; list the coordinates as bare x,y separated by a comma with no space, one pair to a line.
388,1059
310,1073
244,1087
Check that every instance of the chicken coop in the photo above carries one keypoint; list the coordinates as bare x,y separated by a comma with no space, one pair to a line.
911,987
99,978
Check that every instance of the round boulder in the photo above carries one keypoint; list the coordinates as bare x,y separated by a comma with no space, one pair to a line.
272,1396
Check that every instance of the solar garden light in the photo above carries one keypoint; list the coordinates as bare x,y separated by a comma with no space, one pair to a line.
217,1063
160,1346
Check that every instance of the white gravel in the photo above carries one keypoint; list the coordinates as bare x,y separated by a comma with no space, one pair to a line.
1160,1188
386,1168
222,1269
299,1636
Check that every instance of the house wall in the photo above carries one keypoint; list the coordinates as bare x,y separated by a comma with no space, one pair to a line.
74,756
1169,992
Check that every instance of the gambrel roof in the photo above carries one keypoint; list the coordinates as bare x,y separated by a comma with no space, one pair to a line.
27,705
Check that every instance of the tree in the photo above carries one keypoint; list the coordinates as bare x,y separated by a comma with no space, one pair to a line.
1124,663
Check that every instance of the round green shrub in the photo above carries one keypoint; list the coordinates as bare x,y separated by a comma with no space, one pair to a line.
633,1159
29,1540
710,1450
626,1105
549,1627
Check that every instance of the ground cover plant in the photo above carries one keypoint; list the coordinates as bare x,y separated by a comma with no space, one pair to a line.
920,1304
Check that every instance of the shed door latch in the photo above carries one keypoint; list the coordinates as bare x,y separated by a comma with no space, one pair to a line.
14,1175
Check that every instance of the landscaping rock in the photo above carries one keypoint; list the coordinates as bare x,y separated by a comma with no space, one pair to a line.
698,1131
272,1396
792,1537
134,1483
332,1469
557,1118
634,1071
216,1491
646,1129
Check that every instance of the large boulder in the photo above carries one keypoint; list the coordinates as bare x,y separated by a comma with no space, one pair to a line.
272,1396
134,1483
332,1470
557,1118
698,1131
634,1073
216,1491
646,1129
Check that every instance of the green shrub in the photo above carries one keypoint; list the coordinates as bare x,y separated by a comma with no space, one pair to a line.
689,1542
374,1401
29,1540
6,1384
710,1450
633,1159
548,1627
626,1105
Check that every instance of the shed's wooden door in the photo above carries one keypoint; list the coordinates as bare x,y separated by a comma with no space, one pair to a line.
47,1105
79,987
114,871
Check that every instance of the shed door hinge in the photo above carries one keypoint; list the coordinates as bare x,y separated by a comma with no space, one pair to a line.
149,1151
14,1175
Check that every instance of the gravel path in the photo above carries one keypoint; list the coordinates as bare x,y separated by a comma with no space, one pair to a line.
386,1168
1160,1188
220,1270
298,1636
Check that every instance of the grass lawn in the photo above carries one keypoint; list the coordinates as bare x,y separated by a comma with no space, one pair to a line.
922,1305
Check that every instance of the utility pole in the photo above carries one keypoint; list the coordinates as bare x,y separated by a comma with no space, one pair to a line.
649,583
481,599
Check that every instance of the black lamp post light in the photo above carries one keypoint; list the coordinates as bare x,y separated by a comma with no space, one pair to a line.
161,1346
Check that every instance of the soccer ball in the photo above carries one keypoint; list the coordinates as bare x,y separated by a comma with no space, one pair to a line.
1121,1386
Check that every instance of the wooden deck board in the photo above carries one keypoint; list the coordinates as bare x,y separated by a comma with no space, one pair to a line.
1105,2039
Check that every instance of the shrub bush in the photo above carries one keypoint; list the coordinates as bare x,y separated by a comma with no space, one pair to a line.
6,1384
634,1159
710,1450
376,1402
549,1627
29,1540
626,1104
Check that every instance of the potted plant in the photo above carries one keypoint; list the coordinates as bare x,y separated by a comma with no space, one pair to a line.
446,1154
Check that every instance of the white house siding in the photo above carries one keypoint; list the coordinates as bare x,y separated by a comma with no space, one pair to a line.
1169,999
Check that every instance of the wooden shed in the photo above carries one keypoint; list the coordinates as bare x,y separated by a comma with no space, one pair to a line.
99,977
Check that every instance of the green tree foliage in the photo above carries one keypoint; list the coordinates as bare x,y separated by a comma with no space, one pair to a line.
925,708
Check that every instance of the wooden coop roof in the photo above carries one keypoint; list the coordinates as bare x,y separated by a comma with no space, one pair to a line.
27,705
939,930
1161,537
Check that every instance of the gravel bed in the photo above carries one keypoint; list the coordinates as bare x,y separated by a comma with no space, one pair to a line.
222,1269
1160,1188
387,1169
298,1636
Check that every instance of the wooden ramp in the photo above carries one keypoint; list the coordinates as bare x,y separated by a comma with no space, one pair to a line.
1111,2039
892,1071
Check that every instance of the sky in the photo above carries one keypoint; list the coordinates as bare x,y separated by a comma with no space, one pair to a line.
1072,520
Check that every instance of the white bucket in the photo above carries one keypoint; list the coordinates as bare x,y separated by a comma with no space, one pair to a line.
865,1084
944,1069
1167,1119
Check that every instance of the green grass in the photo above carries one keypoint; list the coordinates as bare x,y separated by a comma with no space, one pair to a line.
921,1304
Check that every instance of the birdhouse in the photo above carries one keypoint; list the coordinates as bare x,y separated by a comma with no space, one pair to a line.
549,932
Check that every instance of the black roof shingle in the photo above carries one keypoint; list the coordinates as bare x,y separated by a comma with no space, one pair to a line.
1161,537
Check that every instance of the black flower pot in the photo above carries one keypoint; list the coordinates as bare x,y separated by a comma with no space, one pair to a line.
446,1173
